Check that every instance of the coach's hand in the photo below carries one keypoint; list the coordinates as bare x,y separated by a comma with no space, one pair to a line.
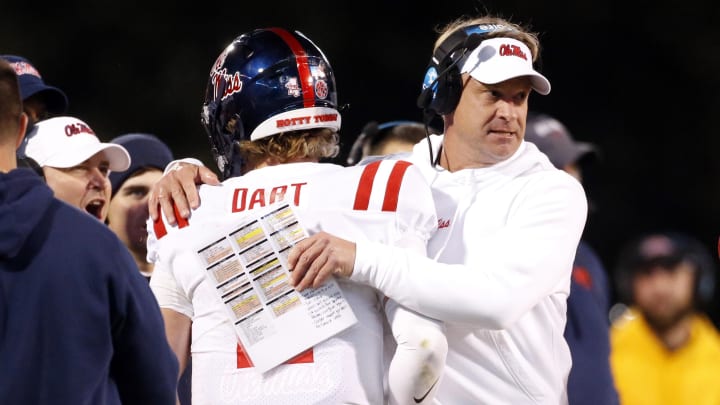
179,187
313,260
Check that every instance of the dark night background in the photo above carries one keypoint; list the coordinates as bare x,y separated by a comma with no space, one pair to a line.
638,79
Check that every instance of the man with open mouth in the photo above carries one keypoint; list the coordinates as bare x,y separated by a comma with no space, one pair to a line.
76,165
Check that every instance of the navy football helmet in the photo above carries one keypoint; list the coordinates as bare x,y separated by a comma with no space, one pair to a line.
266,82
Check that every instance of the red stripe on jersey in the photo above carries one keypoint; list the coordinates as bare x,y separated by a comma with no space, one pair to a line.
362,196
243,361
307,356
392,191
306,80
181,222
159,228
159,225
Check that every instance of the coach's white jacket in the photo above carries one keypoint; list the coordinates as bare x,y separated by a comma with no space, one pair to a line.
499,276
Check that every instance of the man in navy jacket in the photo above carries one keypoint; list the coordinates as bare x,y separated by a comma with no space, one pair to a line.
78,323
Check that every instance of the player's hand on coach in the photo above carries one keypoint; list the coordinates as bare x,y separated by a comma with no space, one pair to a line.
179,187
313,260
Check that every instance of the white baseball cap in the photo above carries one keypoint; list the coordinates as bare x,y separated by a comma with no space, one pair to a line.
67,141
498,59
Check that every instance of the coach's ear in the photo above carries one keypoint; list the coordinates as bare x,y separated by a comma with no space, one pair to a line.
23,122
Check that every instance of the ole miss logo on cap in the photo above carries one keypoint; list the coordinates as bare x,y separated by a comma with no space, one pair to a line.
512,50
24,68
78,128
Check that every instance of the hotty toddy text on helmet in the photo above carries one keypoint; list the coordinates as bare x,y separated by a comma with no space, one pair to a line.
288,122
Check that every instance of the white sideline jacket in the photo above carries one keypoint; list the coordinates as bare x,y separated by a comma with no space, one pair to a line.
498,275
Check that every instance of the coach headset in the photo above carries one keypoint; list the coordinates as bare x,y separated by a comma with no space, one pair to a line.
442,85
684,248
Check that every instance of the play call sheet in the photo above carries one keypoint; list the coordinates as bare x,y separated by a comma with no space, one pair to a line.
247,264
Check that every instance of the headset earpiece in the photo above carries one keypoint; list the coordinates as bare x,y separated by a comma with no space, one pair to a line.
442,84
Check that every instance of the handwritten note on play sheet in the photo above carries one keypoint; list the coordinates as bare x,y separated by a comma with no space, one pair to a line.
247,264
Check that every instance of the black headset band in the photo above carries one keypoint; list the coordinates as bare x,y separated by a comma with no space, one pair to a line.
467,37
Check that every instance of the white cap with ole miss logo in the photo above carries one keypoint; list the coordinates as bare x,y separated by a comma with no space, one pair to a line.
498,59
64,142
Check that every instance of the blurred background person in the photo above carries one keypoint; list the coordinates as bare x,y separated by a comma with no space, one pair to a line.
76,165
664,348
386,138
40,101
554,139
588,328
128,211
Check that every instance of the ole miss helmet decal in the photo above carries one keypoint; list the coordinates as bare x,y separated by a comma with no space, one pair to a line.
321,89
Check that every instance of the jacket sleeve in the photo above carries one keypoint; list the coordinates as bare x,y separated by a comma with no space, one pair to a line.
144,367
529,259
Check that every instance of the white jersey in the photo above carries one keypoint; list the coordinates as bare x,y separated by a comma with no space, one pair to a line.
498,276
387,201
